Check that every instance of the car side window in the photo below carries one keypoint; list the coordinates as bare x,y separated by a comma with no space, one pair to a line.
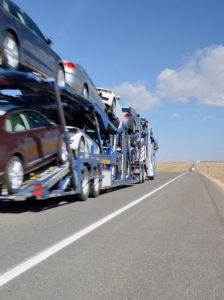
5,5
17,122
35,29
36,120
17,13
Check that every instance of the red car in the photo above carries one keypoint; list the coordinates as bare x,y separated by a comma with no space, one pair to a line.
27,141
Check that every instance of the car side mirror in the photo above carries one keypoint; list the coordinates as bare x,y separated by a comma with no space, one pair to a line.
138,116
49,40
118,98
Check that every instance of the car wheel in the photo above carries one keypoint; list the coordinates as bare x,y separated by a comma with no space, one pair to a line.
133,129
95,185
143,175
10,53
113,107
81,147
85,186
14,175
85,92
63,152
60,78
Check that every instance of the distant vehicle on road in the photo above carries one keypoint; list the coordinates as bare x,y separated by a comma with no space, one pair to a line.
79,80
131,118
24,47
27,141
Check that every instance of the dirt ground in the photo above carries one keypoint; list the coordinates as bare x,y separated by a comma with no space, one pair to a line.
172,167
215,170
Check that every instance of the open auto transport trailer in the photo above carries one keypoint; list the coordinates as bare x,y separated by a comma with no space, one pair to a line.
88,173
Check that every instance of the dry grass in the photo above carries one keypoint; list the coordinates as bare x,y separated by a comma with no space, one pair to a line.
217,172
172,167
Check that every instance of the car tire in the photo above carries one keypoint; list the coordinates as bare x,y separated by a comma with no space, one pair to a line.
95,184
62,152
113,107
143,175
10,52
81,147
14,174
85,186
60,76
134,128
85,92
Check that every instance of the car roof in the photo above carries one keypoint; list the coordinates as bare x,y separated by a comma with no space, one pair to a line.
7,107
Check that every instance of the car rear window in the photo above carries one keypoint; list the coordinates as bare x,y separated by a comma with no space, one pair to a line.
125,109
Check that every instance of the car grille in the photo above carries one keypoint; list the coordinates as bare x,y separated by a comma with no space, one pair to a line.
106,99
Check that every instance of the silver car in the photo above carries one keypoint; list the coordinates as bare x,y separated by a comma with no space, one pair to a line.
131,118
78,79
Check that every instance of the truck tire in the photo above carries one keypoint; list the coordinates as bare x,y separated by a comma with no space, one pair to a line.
140,176
143,175
95,185
85,186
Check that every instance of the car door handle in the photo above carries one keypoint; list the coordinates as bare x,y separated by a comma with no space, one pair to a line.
19,25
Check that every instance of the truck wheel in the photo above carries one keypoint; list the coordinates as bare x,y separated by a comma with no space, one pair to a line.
85,186
143,175
10,52
14,175
95,185
140,176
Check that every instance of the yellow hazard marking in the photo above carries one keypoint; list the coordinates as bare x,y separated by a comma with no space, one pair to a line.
105,161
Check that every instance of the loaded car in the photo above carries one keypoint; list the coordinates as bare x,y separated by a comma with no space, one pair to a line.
132,119
79,80
111,102
83,139
24,47
27,141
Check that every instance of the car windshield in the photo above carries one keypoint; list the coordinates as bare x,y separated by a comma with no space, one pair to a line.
125,109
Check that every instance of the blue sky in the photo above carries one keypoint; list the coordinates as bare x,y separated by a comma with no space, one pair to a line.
164,57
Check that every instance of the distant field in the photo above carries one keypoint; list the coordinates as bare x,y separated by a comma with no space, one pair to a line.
217,172
172,167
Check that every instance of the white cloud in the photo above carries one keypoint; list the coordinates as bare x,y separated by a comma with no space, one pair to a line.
173,116
207,118
201,77
136,96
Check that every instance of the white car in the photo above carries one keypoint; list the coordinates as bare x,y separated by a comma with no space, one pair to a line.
111,102
82,140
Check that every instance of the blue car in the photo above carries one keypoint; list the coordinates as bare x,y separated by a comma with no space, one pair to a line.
24,47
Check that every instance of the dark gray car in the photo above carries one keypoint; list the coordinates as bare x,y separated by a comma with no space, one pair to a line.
131,118
24,47
78,79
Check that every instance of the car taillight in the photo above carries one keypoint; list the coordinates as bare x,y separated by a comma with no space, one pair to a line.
4,82
69,65
127,116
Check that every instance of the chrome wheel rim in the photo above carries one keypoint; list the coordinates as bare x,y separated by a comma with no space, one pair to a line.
15,175
85,186
61,78
64,152
85,93
96,184
11,52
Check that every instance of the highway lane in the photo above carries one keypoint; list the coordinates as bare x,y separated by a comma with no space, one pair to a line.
169,246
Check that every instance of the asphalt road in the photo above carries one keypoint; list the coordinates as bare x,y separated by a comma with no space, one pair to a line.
169,245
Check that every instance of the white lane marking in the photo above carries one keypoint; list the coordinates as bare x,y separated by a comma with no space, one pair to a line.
23,267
